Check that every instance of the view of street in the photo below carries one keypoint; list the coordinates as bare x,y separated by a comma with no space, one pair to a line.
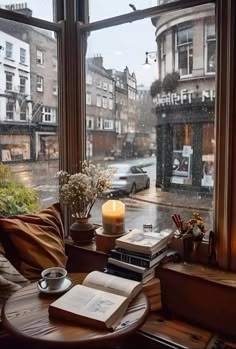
41,177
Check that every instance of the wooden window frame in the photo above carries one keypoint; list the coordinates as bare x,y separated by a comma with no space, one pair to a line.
72,28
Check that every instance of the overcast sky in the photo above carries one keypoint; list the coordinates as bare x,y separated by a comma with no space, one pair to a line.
120,46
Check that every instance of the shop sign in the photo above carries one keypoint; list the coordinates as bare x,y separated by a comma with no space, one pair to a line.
184,97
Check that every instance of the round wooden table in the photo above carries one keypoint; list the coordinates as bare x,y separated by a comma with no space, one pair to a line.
25,315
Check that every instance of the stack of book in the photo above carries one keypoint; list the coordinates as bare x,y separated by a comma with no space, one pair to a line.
137,254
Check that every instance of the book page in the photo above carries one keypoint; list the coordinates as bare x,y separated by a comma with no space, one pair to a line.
90,303
113,284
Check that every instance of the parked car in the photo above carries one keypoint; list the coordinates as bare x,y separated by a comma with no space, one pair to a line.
129,178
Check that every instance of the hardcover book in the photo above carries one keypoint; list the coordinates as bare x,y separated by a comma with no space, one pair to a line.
101,300
146,242
131,267
137,260
128,274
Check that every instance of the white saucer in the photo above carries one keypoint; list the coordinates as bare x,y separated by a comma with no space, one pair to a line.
67,283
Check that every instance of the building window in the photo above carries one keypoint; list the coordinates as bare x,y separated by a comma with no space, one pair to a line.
39,57
23,112
89,123
88,98
39,83
22,55
104,102
99,101
110,103
9,49
163,56
10,110
99,123
49,114
104,85
89,79
9,79
22,84
54,63
55,88
111,88
108,124
185,51
210,47
99,84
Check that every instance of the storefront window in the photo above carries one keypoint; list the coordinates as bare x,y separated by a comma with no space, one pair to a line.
15,147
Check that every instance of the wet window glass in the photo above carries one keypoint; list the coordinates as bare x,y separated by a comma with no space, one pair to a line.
161,116
29,106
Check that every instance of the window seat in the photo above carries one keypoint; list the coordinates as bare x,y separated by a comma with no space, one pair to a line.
201,295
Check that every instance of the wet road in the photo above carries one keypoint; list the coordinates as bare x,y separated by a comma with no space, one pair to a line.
42,178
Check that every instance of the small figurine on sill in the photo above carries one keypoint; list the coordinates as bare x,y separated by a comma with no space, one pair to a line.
192,232
192,228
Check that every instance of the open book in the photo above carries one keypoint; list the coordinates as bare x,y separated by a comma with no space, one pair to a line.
101,300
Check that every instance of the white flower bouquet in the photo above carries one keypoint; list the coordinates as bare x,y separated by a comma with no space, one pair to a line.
79,191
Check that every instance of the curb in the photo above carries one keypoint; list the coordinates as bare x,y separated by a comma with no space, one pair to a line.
171,204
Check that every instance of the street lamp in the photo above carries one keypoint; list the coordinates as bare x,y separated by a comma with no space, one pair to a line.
150,56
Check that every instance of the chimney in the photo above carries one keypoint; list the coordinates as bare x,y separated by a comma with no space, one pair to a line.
25,11
98,61
21,8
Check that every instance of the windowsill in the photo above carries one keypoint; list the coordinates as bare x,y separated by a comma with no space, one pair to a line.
9,59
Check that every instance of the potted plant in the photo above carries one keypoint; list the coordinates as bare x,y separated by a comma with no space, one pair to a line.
79,192
15,198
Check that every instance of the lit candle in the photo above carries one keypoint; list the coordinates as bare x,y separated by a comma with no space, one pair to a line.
113,217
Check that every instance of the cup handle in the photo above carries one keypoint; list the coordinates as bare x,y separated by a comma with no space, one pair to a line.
41,282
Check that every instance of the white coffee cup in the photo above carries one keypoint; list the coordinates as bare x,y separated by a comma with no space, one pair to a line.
52,278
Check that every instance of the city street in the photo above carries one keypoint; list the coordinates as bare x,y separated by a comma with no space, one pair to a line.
41,176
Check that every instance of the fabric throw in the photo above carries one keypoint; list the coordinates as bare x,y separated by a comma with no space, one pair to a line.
34,242
10,279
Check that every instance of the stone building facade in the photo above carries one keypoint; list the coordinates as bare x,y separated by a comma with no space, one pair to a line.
42,122
184,106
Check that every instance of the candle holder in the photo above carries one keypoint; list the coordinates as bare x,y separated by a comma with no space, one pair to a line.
113,221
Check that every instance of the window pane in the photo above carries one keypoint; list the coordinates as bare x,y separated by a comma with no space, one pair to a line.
101,9
162,117
40,9
28,109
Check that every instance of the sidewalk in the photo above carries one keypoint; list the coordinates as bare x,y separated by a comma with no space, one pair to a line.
181,199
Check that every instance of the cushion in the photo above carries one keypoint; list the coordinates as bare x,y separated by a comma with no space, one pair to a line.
34,242
10,279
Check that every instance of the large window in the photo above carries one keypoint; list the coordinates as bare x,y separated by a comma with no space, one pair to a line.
181,117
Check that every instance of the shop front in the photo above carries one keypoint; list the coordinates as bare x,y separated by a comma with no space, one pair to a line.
185,144
15,147
47,147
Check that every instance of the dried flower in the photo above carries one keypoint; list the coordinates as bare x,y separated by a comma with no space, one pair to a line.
79,191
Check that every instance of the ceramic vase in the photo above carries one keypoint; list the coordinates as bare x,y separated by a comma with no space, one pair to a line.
82,231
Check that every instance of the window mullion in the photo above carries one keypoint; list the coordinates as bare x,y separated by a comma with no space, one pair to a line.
225,188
